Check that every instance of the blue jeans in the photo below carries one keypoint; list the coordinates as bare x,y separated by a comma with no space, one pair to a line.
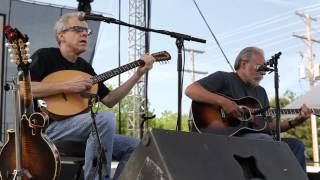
123,146
298,149
296,146
79,128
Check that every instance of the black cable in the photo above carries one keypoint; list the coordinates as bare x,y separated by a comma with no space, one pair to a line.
119,64
147,19
213,35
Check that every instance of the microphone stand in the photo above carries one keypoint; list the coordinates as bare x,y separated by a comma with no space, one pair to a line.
180,38
180,45
92,99
273,62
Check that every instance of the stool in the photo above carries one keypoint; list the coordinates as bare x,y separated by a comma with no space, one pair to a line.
72,152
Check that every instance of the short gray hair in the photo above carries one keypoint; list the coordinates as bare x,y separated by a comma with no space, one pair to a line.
247,54
62,24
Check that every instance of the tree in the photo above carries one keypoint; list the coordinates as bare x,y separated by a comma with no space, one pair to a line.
168,120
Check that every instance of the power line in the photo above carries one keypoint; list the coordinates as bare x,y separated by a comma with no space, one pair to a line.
282,35
271,30
262,33
271,20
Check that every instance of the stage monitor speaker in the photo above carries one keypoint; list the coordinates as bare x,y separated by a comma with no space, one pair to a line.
172,155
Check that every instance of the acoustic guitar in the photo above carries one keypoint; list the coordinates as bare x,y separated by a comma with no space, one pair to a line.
68,104
255,118
28,153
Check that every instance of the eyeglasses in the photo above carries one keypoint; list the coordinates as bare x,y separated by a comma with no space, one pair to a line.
78,29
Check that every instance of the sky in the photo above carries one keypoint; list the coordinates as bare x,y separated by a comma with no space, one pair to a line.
268,24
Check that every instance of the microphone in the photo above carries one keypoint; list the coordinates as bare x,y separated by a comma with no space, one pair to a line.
277,55
273,58
260,67
95,17
84,5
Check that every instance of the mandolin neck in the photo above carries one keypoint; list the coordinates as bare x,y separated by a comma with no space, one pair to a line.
114,72
27,93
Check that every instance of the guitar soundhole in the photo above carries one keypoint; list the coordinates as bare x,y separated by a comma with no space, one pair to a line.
246,115
243,120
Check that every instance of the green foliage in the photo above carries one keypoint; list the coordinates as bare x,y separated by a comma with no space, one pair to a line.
168,120
302,132
283,101
290,95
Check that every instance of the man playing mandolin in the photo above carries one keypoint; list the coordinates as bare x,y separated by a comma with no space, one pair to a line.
221,88
72,36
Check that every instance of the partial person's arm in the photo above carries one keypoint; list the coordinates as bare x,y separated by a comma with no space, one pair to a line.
304,114
197,92
43,89
117,94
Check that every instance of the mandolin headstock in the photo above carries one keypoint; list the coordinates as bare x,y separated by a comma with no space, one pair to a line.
162,56
18,47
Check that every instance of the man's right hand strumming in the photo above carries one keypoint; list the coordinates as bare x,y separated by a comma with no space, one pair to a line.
78,84
230,107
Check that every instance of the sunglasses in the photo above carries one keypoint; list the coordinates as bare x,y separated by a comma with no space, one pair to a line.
78,29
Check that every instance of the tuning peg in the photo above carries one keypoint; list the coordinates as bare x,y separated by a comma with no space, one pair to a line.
7,44
11,55
10,50
12,60
29,60
27,49
28,43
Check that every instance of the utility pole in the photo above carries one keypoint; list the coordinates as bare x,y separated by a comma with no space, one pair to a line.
311,78
193,71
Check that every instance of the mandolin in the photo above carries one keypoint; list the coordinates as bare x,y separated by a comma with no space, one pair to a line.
69,104
28,152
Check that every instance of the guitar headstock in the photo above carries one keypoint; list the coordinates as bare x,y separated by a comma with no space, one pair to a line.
161,56
17,47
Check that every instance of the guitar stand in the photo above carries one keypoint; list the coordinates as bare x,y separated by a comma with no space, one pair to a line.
92,99
21,173
144,119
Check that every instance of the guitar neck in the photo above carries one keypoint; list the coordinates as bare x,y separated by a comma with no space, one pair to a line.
114,72
272,112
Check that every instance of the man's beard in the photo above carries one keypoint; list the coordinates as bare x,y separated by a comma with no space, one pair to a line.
256,81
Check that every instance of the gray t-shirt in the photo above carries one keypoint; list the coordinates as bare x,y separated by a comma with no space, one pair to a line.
230,85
